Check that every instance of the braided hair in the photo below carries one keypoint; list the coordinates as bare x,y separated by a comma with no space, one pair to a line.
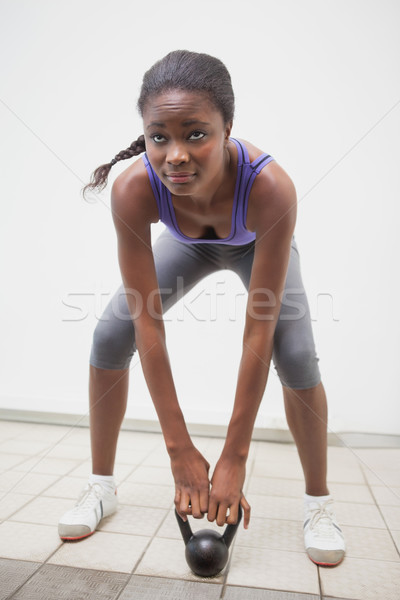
99,177
178,70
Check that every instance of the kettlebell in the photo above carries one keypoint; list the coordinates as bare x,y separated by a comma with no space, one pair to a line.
206,550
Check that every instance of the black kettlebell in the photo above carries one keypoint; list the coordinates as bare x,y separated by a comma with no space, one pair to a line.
206,550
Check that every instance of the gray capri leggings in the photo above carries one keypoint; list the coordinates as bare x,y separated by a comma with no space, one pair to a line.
180,266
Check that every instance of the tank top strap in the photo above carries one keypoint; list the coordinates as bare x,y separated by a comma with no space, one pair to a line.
260,162
244,159
248,172
243,155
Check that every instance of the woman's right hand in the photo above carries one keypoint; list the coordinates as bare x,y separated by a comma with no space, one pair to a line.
192,485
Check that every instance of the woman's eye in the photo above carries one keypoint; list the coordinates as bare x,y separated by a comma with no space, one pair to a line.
158,138
196,135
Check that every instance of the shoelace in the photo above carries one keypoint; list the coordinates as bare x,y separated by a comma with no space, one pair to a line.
322,520
89,496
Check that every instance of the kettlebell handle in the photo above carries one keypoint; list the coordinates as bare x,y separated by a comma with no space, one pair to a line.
230,530
227,536
185,528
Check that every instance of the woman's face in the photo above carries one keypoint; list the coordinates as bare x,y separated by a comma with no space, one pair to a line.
186,140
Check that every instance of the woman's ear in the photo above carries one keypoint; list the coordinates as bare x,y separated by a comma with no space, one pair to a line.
228,129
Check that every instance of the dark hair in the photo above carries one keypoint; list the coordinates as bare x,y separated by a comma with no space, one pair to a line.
178,70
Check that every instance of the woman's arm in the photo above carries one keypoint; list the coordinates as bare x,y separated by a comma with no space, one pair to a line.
273,208
133,212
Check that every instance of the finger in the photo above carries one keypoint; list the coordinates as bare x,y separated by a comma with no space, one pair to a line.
212,509
204,498
177,501
246,510
221,515
233,514
195,502
184,505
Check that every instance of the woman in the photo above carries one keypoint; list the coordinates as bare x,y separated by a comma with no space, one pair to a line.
225,204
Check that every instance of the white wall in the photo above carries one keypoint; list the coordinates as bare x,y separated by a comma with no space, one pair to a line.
317,86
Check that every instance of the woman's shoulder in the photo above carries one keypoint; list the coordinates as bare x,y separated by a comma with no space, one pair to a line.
273,192
132,192
252,150
272,177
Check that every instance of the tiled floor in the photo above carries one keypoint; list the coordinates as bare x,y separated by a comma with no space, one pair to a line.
138,552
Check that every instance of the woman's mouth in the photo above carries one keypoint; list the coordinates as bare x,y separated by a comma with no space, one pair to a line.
180,177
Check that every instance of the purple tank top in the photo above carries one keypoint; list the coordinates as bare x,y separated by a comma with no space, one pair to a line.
246,173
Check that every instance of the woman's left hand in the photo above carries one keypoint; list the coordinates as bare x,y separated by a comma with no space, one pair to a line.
226,492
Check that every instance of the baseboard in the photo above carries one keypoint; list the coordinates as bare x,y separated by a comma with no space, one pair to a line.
351,439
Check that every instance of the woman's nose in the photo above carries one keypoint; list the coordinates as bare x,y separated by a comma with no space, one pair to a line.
177,154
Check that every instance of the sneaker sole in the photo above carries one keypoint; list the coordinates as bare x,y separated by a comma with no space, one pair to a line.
74,532
325,564
76,538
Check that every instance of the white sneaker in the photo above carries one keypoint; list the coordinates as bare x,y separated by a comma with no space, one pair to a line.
94,503
323,537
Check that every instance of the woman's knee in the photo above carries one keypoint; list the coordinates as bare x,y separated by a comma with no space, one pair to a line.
297,366
113,345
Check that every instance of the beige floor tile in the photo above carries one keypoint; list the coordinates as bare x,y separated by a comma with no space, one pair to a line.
10,503
166,558
348,492
276,507
385,477
342,458
140,440
142,494
287,468
361,579
70,451
43,511
294,488
52,466
209,445
158,458
389,496
78,436
33,483
27,448
103,551
345,473
83,470
273,569
8,461
130,457
358,515
273,534
380,458
134,520
170,528
364,542
273,486
66,487
10,429
24,541
396,537
276,453
9,479
153,475
391,515
47,433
